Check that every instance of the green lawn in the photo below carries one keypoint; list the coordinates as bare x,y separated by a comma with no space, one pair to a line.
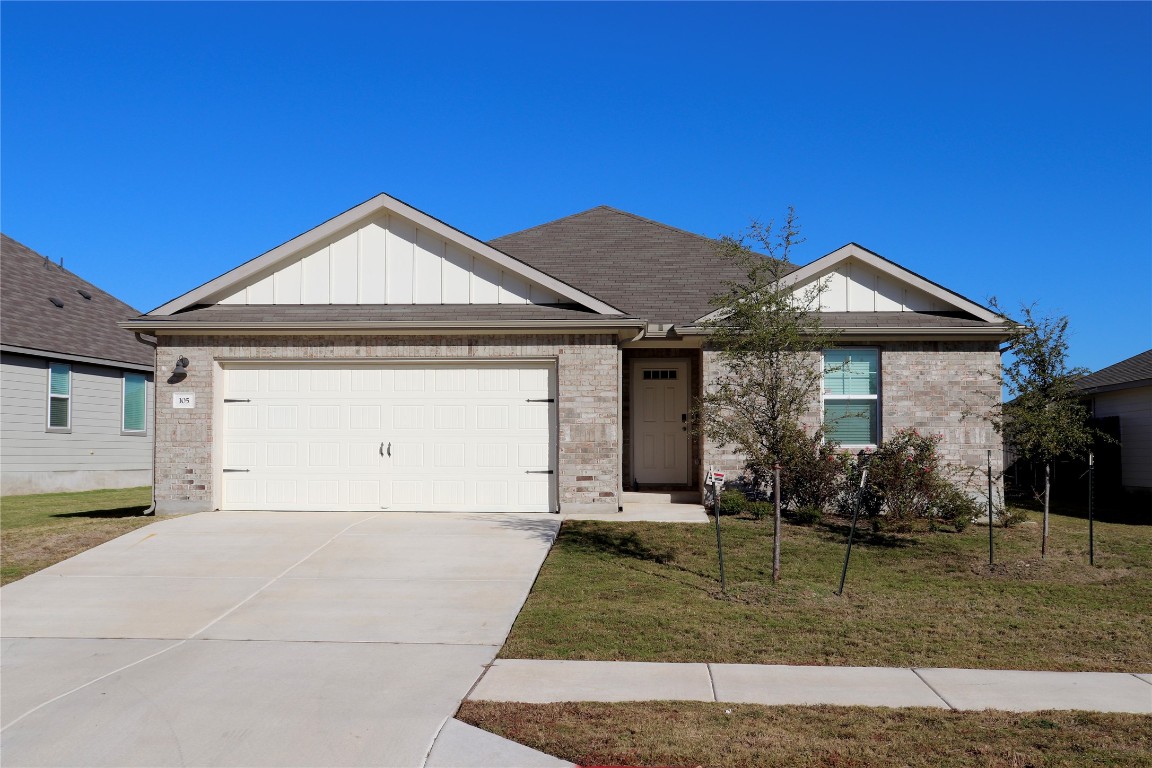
752,736
650,592
39,530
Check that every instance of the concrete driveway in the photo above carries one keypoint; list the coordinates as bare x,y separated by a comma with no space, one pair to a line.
261,638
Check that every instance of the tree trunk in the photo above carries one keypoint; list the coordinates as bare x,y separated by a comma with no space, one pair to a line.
1047,491
776,524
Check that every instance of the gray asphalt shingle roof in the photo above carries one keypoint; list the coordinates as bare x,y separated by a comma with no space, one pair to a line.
82,326
1134,371
639,266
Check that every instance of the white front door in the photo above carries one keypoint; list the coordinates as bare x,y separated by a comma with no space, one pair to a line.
452,437
660,437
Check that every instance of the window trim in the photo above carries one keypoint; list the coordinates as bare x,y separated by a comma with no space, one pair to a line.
876,398
124,404
53,396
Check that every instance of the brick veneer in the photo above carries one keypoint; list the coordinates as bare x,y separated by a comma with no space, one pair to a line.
588,375
937,387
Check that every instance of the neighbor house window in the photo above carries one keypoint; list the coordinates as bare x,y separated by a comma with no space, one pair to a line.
852,395
135,403
59,397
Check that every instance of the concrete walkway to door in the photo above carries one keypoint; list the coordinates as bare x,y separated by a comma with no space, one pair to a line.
262,638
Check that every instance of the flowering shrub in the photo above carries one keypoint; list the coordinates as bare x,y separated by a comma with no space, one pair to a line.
908,481
813,474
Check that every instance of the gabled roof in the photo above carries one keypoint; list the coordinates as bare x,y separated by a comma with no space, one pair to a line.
1136,371
891,268
645,268
82,329
297,246
957,305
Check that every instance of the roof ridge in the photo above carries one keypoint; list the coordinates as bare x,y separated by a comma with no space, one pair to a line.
645,219
548,223
617,211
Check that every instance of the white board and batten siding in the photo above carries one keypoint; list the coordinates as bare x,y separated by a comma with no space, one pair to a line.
390,260
857,287
399,437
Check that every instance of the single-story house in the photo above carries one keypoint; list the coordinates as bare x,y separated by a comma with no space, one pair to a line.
1124,392
75,389
386,360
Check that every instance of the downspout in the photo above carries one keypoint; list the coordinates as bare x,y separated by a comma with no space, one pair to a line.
155,408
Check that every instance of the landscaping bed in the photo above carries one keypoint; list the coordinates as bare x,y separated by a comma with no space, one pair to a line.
651,592
753,736
39,530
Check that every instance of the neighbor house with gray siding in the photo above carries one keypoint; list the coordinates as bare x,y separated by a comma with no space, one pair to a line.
385,360
75,389
1124,391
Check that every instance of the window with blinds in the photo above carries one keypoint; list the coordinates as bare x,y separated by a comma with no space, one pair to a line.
852,395
135,416
59,397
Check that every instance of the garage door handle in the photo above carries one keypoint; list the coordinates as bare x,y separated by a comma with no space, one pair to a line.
382,449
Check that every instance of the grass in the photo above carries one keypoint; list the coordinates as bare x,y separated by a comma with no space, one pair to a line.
754,736
650,592
40,530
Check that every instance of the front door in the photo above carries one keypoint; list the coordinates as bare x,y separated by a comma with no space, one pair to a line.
660,437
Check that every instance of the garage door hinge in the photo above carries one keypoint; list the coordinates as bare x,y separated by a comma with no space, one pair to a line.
236,400
539,472
543,400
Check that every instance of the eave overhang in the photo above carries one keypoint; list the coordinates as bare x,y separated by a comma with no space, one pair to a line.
625,328
907,332
71,358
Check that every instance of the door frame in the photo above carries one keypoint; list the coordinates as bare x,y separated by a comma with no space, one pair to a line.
684,366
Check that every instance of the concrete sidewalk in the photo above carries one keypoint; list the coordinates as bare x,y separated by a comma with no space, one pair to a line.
958,689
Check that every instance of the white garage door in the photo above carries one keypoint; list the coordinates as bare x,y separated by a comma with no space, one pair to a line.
459,437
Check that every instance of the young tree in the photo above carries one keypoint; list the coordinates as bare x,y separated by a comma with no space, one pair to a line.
1043,417
769,341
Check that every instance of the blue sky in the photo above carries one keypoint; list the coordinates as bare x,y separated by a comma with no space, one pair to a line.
998,149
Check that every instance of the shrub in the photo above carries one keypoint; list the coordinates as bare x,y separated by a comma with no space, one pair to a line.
808,515
813,472
954,506
732,502
908,482
761,510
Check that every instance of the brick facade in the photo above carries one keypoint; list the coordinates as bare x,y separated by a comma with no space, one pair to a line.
937,387
588,376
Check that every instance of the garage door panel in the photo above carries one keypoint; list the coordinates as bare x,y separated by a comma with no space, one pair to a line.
404,438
